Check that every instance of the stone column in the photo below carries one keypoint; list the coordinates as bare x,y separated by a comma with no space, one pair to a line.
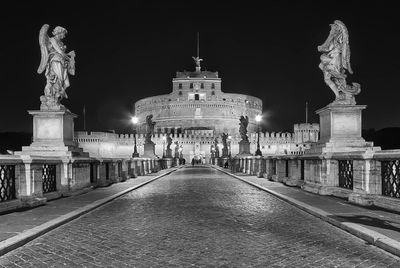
268,168
294,178
366,181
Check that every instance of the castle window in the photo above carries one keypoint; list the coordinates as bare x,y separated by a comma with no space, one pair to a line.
180,85
202,85
212,93
180,93
212,86
196,97
191,85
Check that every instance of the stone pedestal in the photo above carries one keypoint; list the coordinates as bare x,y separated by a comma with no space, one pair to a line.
340,129
168,153
167,162
244,148
149,150
53,134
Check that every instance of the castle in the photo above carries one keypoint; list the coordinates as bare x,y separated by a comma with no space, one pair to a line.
195,114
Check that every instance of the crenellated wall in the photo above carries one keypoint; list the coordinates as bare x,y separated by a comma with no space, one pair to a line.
110,145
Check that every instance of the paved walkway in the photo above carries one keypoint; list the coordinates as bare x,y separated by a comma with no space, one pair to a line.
198,217
377,226
18,228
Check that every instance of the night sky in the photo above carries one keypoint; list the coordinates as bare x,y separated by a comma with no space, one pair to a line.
128,52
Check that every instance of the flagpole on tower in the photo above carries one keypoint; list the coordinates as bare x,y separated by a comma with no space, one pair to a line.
84,118
306,112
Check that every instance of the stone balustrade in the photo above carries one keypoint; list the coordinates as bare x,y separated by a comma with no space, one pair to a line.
364,178
27,181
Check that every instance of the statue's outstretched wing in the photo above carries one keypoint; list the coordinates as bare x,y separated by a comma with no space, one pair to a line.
43,42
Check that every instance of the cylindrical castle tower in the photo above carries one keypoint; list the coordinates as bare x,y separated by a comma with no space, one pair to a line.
198,103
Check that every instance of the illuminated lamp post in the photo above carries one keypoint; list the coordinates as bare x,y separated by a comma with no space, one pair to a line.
258,120
134,120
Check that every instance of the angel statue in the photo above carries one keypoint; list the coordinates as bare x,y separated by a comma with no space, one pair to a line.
197,60
150,129
224,137
57,64
335,60
244,121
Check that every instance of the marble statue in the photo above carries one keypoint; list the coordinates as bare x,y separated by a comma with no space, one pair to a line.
169,142
244,122
150,128
335,60
216,142
57,64
224,137
197,60
176,149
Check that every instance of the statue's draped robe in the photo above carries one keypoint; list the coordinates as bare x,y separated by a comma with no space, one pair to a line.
57,68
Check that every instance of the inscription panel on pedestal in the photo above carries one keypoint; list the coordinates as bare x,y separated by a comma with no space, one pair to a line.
48,128
346,124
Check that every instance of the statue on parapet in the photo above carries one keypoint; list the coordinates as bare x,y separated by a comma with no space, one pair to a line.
244,122
57,64
150,128
176,149
169,142
216,142
197,60
224,137
335,60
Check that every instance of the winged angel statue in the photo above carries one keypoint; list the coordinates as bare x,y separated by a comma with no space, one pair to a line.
56,64
335,59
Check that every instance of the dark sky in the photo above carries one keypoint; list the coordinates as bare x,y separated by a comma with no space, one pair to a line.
128,52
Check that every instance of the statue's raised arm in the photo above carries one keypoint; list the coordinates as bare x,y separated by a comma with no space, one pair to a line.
335,60
56,64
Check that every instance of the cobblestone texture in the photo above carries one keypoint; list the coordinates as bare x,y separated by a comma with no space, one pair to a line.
198,217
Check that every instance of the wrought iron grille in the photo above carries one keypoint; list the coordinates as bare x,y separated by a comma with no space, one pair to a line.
302,169
286,168
107,171
346,174
119,169
391,178
93,172
49,178
7,182
273,167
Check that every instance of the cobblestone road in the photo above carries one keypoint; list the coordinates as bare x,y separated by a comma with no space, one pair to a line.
198,217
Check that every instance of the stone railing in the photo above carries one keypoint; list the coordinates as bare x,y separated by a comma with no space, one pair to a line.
27,181
365,178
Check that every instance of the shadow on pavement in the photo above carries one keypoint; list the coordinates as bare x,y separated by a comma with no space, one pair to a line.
367,220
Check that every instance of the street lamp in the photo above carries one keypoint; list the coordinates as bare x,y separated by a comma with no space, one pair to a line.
134,120
258,120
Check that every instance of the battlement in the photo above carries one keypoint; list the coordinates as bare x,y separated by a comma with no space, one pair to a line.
201,74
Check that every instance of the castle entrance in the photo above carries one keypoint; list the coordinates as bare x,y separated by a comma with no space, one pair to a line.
197,154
